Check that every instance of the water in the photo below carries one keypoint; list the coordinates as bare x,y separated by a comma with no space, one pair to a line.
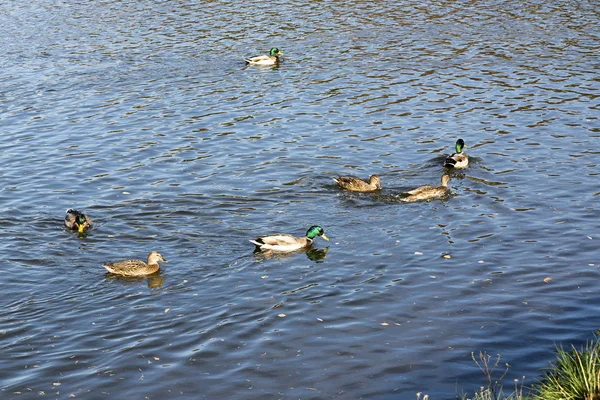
144,115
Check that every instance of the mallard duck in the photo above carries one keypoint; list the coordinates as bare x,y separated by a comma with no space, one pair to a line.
271,59
458,159
136,267
428,192
284,242
358,185
76,220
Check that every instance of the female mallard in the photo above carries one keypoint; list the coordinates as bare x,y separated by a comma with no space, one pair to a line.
136,267
284,242
271,59
428,192
76,220
358,185
458,159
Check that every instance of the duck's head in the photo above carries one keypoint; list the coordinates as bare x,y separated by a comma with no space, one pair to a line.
374,180
315,231
460,144
445,180
154,257
275,52
80,220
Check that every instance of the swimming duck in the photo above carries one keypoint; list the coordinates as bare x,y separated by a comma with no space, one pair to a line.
458,159
136,267
284,242
76,220
428,192
271,59
358,185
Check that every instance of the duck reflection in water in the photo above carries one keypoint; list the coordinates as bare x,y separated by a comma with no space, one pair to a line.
312,254
154,281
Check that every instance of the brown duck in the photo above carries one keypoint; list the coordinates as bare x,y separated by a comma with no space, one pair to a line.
136,267
428,192
358,185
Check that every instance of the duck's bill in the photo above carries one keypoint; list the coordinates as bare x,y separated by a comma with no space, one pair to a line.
80,228
165,260
325,237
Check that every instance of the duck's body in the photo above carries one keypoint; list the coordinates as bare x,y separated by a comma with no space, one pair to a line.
283,242
136,267
358,185
428,192
77,221
271,59
459,159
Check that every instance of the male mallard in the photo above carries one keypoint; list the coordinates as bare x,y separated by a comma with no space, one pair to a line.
271,59
76,220
458,159
358,185
284,242
428,192
136,267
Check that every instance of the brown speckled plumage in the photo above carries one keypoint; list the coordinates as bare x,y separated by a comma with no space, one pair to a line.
428,192
358,185
136,267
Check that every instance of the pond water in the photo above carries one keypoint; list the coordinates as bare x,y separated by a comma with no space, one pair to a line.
143,115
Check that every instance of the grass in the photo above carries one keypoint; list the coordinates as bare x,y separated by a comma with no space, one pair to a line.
575,375
493,390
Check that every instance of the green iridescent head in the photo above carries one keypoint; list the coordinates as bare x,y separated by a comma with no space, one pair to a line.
80,219
275,52
315,231
460,144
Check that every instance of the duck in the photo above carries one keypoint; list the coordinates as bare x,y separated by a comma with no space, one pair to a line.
76,220
282,242
136,267
354,184
428,192
271,59
459,159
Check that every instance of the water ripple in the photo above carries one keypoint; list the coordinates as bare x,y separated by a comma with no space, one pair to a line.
145,116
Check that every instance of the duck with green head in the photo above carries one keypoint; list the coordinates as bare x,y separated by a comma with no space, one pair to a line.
284,243
459,159
271,59
76,220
